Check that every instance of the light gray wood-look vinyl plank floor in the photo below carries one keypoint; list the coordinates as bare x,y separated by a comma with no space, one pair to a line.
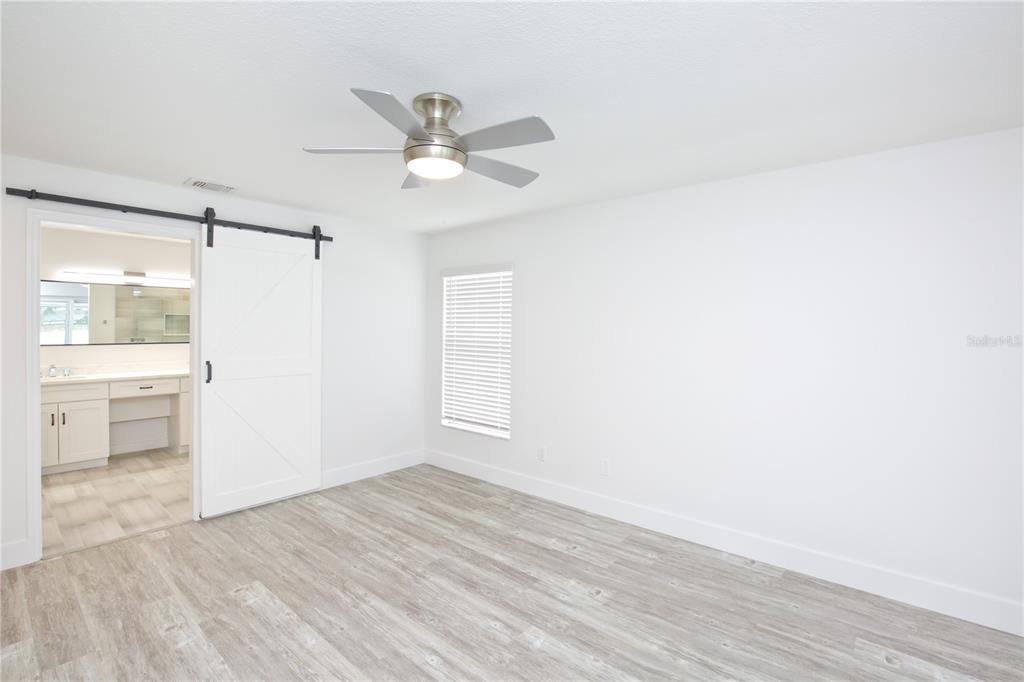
425,574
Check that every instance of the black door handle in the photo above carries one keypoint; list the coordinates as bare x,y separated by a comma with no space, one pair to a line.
144,388
63,418
53,419
209,371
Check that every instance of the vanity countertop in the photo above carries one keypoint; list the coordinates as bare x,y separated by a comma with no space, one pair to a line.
127,375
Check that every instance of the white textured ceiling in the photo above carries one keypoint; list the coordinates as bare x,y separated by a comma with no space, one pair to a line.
641,96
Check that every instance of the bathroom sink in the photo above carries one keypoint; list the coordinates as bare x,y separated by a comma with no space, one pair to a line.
114,376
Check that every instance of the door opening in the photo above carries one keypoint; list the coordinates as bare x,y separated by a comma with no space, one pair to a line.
113,324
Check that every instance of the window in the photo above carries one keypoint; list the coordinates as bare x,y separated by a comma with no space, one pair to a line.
476,374
63,321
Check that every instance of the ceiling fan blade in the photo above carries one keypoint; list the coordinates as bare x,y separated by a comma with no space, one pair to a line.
501,171
388,106
352,150
511,134
413,181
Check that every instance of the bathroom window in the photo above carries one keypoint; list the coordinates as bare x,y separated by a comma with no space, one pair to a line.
476,381
63,320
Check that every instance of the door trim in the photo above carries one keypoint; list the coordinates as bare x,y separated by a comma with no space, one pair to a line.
97,221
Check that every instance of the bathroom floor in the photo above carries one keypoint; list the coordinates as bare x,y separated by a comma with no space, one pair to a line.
134,493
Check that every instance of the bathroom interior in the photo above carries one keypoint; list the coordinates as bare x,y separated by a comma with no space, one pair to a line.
115,388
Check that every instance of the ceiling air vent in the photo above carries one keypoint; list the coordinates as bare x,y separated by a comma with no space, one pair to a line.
207,185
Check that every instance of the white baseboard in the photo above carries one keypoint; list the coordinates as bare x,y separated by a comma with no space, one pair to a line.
16,554
373,467
76,466
985,609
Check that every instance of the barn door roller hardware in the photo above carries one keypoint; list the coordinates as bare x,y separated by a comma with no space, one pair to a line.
209,217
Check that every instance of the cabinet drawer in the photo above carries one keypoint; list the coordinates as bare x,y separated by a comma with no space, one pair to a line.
72,392
134,389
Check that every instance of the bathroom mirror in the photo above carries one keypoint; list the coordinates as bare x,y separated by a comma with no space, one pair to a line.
76,313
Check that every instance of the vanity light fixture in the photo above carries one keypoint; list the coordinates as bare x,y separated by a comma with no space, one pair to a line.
125,277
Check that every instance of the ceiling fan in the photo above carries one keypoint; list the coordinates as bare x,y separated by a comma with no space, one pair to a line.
433,151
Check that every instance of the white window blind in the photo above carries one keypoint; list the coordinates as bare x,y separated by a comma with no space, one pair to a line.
476,376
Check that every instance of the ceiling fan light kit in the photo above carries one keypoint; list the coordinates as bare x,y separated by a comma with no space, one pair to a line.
433,151
440,164
440,158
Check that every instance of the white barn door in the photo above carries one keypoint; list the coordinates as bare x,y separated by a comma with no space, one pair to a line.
260,333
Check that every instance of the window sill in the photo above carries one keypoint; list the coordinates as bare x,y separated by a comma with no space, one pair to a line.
482,430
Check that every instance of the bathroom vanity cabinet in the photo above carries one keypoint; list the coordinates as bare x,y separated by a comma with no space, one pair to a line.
79,412
75,431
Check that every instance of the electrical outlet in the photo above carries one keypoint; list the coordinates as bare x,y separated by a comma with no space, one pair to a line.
605,466
541,454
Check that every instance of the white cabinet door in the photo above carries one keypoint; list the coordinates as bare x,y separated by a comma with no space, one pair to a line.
260,330
48,420
84,430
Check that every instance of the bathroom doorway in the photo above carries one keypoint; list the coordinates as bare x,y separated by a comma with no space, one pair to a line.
115,305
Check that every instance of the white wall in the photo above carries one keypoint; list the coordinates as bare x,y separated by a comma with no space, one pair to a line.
116,358
778,366
82,250
373,325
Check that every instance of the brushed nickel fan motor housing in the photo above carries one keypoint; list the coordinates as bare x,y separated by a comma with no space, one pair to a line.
437,109
438,149
436,106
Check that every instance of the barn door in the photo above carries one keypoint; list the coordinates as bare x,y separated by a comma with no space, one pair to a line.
260,357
